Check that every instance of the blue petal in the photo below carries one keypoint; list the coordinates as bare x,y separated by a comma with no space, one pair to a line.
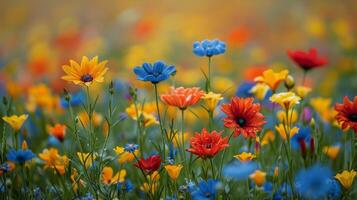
158,67
147,67
140,72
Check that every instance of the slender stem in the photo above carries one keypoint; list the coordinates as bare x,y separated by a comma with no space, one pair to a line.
183,134
304,77
209,74
159,117
223,155
212,168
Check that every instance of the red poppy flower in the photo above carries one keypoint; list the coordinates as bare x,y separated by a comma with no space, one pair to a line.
347,113
307,60
150,164
207,145
243,116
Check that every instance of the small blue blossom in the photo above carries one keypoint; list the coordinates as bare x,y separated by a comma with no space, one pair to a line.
303,134
131,147
334,191
76,100
209,48
125,186
20,156
205,190
314,182
154,73
238,170
4,168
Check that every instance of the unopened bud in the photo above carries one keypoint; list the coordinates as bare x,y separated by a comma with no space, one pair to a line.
111,88
24,145
312,123
66,95
289,82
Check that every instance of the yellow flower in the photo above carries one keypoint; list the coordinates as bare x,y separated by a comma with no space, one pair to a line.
147,112
292,116
346,178
86,158
153,183
258,177
281,130
323,107
86,72
76,182
302,91
332,151
108,178
211,100
173,171
54,160
268,137
40,96
285,99
271,78
124,156
259,90
15,121
245,157
97,118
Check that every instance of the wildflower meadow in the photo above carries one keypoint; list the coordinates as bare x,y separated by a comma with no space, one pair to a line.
114,101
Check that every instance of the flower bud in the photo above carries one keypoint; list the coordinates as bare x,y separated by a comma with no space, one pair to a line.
289,82
111,88
66,95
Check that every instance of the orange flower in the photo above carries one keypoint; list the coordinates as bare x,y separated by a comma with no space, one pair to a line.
347,113
58,131
207,145
182,97
243,116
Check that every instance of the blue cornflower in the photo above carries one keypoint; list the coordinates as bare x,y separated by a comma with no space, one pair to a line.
76,100
131,147
209,48
239,171
303,134
334,191
313,183
154,73
20,156
4,168
205,190
125,186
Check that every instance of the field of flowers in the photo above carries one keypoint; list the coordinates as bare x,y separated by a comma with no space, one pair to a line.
127,100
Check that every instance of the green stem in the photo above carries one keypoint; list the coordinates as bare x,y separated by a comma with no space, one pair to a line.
209,74
159,117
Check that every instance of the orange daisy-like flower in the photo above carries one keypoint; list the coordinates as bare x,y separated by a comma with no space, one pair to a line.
58,131
347,113
244,116
182,97
207,145
86,72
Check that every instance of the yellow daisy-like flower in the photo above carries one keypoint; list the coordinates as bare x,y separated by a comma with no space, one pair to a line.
86,72
285,99
86,159
15,121
124,156
258,177
259,90
173,171
108,178
245,157
271,78
54,160
211,100
346,178
332,151
282,131
302,91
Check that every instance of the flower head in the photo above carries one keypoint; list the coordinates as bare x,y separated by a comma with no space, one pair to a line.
347,113
207,145
302,91
108,178
182,97
332,151
307,60
86,72
286,100
20,156
58,131
154,73
54,160
125,156
258,177
211,100
205,190
150,164
260,90
286,132
245,156
86,158
15,121
209,48
272,79
314,182
173,171
131,147
244,116
323,108
346,178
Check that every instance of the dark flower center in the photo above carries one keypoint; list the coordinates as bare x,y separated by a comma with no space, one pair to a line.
207,194
240,122
87,78
156,74
208,146
353,117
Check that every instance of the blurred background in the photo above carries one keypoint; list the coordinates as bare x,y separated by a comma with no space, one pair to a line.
37,37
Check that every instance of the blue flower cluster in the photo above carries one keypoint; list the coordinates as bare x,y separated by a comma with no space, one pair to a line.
154,73
209,48
131,147
205,190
